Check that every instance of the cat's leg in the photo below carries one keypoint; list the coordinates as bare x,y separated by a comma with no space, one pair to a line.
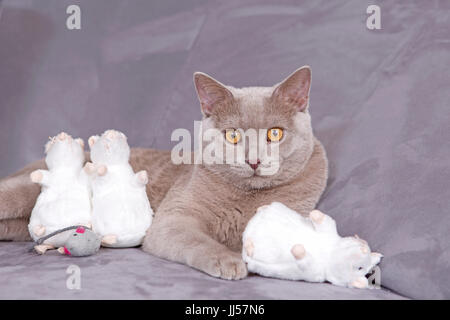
18,195
14,229
323,222
185,239
42,248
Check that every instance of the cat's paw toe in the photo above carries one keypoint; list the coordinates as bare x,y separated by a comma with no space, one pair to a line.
228,266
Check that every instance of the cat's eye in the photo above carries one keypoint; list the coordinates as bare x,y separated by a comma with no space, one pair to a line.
274,134
232,135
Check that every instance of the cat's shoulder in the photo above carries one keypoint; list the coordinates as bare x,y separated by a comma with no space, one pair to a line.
319,160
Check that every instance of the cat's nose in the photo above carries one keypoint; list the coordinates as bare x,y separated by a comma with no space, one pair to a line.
254,166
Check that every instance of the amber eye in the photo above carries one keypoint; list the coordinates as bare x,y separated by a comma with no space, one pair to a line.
274,134
232,135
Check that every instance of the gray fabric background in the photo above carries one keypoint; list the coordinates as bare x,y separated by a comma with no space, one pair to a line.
379,102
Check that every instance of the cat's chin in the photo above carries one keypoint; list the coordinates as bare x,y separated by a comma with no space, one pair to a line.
255,182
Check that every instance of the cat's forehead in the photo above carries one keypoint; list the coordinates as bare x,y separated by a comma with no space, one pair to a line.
254,110
251,95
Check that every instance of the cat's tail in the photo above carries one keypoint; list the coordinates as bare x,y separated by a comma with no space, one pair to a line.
14,230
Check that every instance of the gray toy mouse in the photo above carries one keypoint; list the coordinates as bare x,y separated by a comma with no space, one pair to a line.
82,242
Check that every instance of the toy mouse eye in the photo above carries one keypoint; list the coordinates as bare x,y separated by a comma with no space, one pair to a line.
360,268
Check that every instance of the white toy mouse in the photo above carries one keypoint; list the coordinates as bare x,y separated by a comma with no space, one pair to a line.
65,195
279,242
121,212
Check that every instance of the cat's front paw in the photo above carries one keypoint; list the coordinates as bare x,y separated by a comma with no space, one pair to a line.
227,265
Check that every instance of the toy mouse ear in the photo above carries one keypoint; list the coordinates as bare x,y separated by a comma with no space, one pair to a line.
92,140
80,230
80,142
48,145
375,257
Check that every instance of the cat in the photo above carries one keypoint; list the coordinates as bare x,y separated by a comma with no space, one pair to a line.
201,210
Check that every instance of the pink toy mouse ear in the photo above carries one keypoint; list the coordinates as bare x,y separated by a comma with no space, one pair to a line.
66,251
80,230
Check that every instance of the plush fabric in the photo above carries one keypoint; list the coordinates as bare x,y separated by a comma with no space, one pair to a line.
130,273
64,200
121,212
379,104
278,242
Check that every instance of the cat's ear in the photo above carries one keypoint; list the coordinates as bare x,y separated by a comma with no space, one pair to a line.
210,92
294,90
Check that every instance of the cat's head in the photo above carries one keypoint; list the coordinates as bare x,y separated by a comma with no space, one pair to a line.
278,116
64,151
111,148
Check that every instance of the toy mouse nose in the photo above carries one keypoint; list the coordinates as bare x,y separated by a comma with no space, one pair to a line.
254,166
